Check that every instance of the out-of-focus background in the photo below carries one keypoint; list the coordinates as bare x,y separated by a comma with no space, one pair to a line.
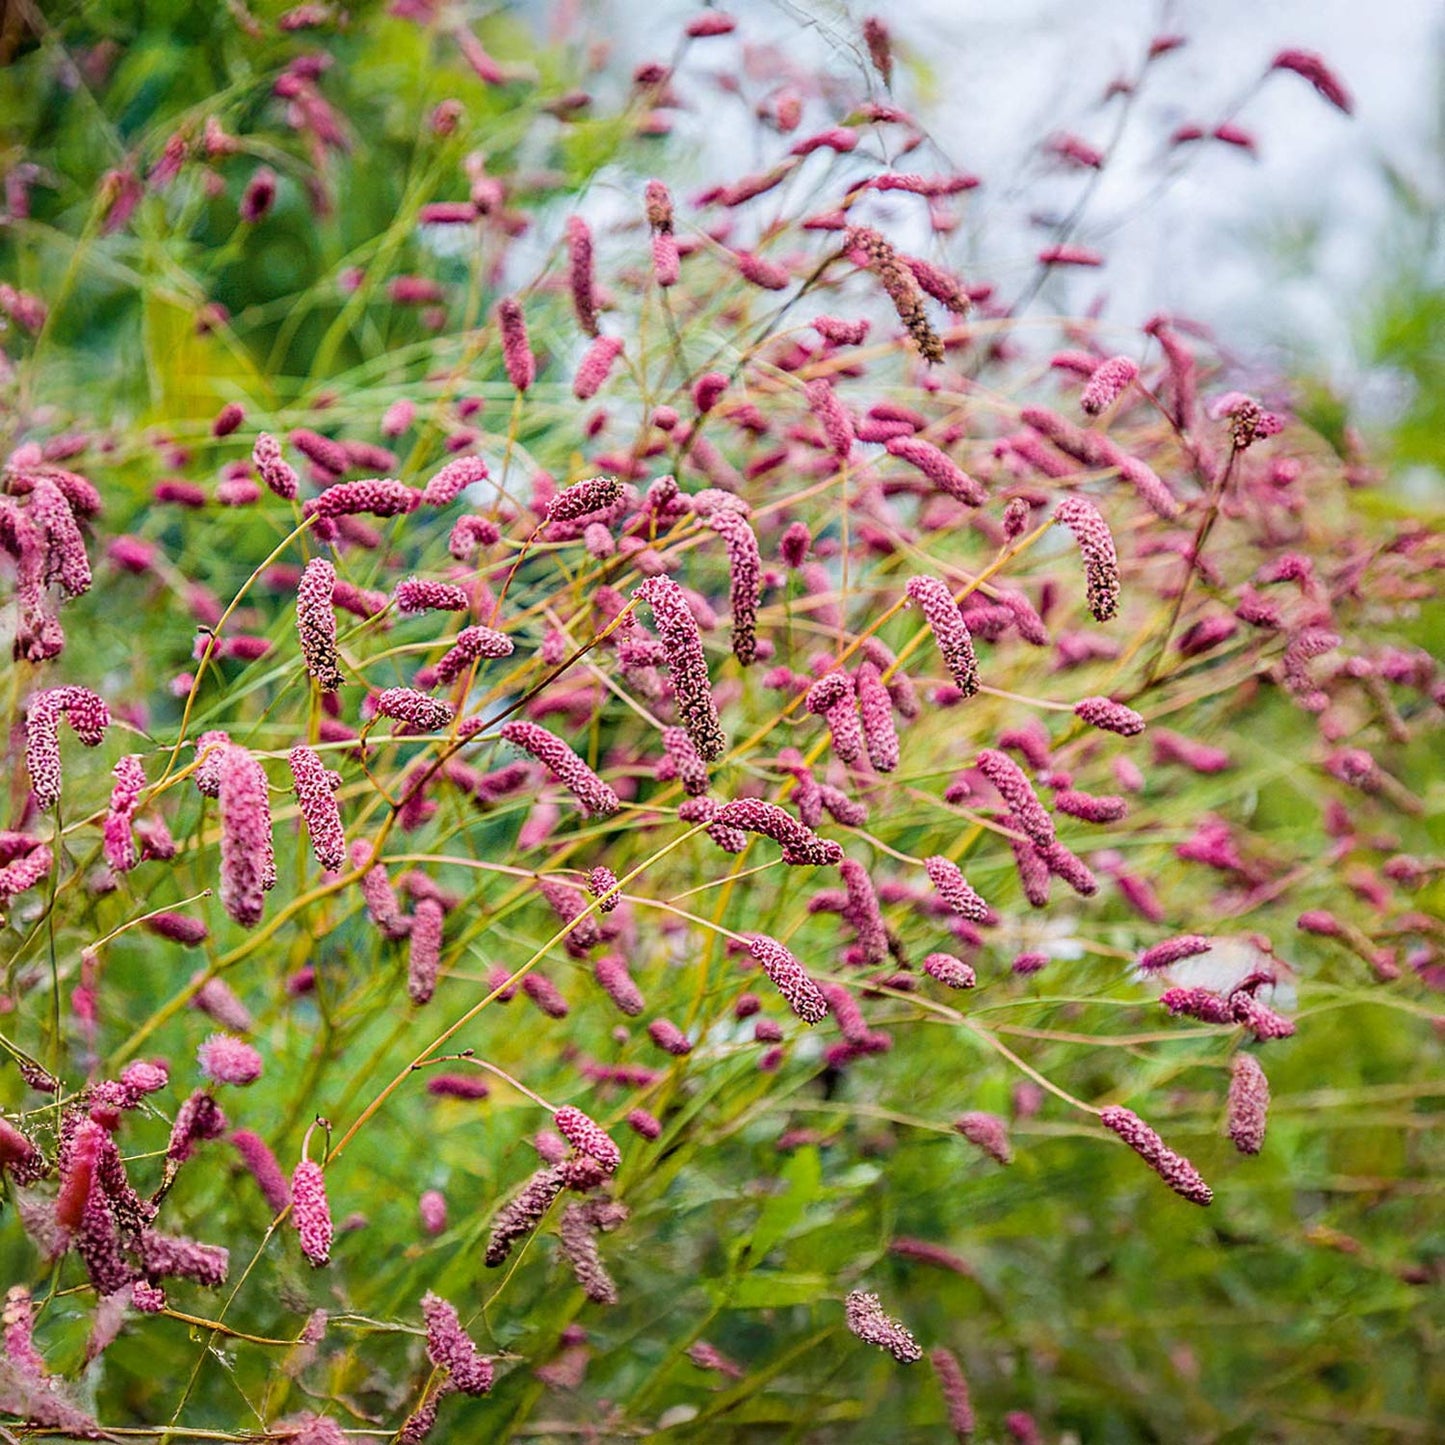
1318,254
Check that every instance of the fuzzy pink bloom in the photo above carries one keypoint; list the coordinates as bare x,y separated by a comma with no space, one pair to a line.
986,1132
793,545
762,272
1114,717
448,482
1174,1169
1198,1003
327,454
471,645
406,704
88,717
832,414
861,911
197,1120
458,1086
397,418
1173,950
316,623
668,1037
840,333
523,1212
1170,747
169,1255
381,902
834,698
261,1162
950,971
516,350
790,978
644,1124
611,973
1091,807
18,1156
582,498
316,798
866,1319
376,496
587,1137
424,954
950,632
595,796
1067,255
1248,1103
215,998
801,845
311,1212
248,865
425,594
470,533
25,868
579,274
432,1208
666,262
707,389
1015,789
1096,546
130,781
1108,382
602,881
951,886
593,369
228,1060
939,468
450,1348
692,691
1315,70
954,1388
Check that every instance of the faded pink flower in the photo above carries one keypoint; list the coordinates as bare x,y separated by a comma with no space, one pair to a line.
986,1132
516,350
450,1348
1107,383
866,1319
226,1059
424,954
130,781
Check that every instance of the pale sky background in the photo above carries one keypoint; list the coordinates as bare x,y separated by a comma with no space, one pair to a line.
1007,73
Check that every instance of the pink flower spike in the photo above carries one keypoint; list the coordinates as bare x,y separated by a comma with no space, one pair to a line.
311,1212
406,704
866,1320
803,996
1314,69
587,1137
951,972
1107,383
1096,546
315,795
1173,950
516,351
1110,716
228,1060
1248,1104
248,865
316,623
596,797
950,632
1174,1169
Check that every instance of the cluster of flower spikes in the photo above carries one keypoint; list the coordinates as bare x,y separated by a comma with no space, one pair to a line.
689,511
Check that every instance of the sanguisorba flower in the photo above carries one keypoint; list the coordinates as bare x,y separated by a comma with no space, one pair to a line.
316,623
226,1059
311,1212
597,799
248,864
587,1137
516,349
316,796
950,632
867,1320
1248,1103
790,978
1174,1169
1096,547
686,665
